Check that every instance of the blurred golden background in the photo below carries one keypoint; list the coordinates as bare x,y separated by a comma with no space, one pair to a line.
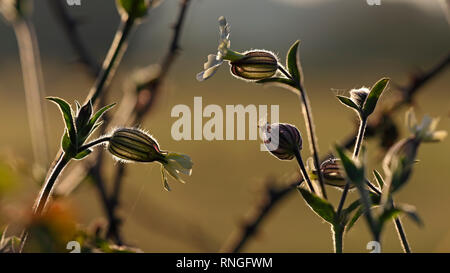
344,45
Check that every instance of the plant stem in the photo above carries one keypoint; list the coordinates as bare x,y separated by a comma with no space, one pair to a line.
402,235
359,140
112,59
33,85
281,68
93,143
310,127
304,172
46,192
312,136
338,233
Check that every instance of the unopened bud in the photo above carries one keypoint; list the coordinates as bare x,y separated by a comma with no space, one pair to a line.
134,145
333,173
359,96
282,140
255,65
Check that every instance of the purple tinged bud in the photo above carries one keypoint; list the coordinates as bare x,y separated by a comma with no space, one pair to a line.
282,140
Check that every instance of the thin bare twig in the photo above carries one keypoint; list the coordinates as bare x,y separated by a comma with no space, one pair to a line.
273,195
70,26
34,89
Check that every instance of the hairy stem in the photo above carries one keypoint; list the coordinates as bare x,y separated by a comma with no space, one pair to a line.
359,140
338,233
310,127
312,137
112,59
402,235
46,191
94,143
304,171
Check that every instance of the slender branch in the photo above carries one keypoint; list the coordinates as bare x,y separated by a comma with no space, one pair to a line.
310,127
34,90
70,27
44,195
359,139
304,171
272,197
396,220
312,136
93,143
402,235
112,59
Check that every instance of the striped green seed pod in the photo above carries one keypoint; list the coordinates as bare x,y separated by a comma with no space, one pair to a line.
255,65
134,145
332,173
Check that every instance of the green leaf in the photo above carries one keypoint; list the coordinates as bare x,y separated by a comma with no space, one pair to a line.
355,218
99,114
78,106
65,143
93,123
320,206
379,178
354,173
293,62
84,114
283,82
374,95
393,212
345,213
348,102
66,111
83,154
357,204
411,212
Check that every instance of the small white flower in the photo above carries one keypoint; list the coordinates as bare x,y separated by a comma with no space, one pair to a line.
214,61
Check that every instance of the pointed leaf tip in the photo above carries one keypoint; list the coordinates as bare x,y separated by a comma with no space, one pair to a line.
375,93
320,206
293,62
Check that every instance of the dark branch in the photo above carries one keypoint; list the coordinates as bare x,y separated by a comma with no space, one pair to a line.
70,27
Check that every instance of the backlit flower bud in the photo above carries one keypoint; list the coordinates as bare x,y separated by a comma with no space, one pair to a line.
134,145
333,173
282,140
359,96
255,65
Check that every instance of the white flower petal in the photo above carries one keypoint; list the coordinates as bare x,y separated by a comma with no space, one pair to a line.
224,29
164,178
173,172
184,160
210,67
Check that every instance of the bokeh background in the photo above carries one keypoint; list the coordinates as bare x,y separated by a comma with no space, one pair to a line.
344,44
